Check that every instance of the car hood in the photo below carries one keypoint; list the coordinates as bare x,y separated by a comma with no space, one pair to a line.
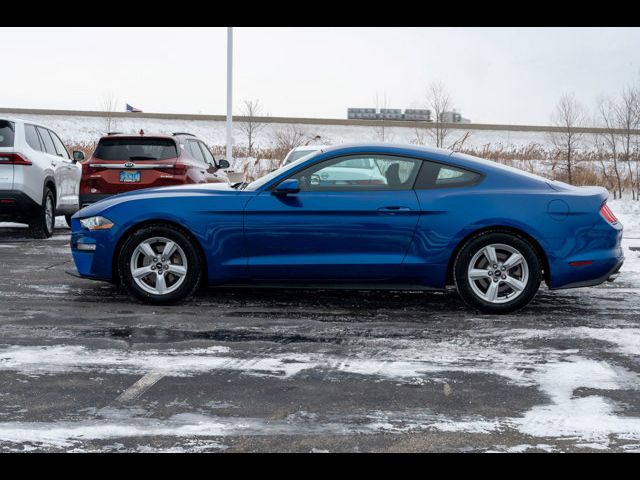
178,191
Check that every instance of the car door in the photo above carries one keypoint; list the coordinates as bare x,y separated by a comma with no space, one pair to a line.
349,227
56,163
70,174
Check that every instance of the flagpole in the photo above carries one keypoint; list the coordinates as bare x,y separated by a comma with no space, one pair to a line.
229,96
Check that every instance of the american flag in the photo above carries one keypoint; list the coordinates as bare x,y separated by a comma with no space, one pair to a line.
132,109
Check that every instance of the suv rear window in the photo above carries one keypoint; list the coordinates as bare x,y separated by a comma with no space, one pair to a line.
136,149
7,130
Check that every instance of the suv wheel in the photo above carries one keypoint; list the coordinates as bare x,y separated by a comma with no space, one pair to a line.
43,224
497,272
159,264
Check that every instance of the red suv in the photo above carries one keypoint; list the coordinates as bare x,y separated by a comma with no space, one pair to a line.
122,163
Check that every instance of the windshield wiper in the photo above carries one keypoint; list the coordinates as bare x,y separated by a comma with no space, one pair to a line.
141,157
240,185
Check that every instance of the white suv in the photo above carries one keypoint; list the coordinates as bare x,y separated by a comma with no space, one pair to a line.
38,178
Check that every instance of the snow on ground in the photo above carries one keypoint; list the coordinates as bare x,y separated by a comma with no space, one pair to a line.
80,129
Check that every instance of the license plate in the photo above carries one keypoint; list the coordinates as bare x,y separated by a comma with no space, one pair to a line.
129,177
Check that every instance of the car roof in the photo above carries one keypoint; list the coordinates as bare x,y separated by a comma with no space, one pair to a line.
419,149
22,120
454,158
145,135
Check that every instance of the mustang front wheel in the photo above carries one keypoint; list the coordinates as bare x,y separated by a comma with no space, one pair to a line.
497,272
159,264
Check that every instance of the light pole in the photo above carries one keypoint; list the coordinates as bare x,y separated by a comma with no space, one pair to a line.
229,94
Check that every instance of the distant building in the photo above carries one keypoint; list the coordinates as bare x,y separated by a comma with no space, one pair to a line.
453,117
390,114
417,114
410,114
362,114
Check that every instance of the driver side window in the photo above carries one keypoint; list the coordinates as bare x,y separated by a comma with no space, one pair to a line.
360,173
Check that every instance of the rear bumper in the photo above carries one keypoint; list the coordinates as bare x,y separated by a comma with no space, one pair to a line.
16,205
609,275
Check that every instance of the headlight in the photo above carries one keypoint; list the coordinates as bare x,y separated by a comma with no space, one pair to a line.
96,223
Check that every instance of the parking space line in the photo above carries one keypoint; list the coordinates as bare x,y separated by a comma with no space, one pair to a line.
141,386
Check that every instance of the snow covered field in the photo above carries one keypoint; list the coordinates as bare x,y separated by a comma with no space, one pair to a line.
89,129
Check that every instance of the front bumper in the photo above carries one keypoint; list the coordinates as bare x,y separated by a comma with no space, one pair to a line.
92,251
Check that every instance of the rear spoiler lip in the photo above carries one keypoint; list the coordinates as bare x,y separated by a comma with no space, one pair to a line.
584,191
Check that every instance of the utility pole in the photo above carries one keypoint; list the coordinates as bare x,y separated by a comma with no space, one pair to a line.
229,94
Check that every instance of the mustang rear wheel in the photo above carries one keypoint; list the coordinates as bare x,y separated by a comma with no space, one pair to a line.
497,272
159,264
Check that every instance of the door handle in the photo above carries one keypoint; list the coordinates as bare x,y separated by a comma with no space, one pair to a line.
393,210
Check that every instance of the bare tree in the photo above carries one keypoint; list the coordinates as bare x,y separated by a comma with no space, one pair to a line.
627,120
250,126
288,138
607,119
438,101
109,107
381,103
568,116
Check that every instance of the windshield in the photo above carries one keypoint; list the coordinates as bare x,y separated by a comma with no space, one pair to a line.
6,133
136,149
270,176
298,155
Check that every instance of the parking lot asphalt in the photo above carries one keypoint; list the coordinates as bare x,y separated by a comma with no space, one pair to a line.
83,367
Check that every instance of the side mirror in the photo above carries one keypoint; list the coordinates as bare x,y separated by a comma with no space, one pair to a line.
290,185
222,163
77,156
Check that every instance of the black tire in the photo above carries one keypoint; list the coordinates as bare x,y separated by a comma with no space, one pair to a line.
43,224
67,218
478,243
194,264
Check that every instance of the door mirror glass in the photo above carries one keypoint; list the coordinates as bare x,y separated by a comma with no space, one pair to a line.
291,185
222,163
78,156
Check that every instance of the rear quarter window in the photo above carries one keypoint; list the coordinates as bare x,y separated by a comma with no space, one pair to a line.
32,137
437,175
139,149
7,131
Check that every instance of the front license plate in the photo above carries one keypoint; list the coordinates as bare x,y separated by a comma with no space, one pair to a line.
129,177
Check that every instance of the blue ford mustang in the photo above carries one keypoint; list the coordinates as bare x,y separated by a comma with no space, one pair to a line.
358,216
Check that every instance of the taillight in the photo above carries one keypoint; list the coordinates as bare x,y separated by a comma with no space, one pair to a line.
607,214
179,169
13,159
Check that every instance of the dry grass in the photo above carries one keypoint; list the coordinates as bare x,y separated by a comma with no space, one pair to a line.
591,167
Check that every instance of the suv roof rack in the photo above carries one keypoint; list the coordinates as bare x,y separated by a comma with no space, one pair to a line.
183,133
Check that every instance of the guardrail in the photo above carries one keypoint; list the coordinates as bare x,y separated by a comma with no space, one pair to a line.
304,121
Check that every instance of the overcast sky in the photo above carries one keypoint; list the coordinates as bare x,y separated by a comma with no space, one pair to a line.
495,75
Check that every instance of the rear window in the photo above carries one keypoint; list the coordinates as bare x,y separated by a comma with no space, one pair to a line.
32,137
435,175
7,130
136,149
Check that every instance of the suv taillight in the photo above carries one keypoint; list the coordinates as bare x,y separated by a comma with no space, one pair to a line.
13,159
178,169
607,214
